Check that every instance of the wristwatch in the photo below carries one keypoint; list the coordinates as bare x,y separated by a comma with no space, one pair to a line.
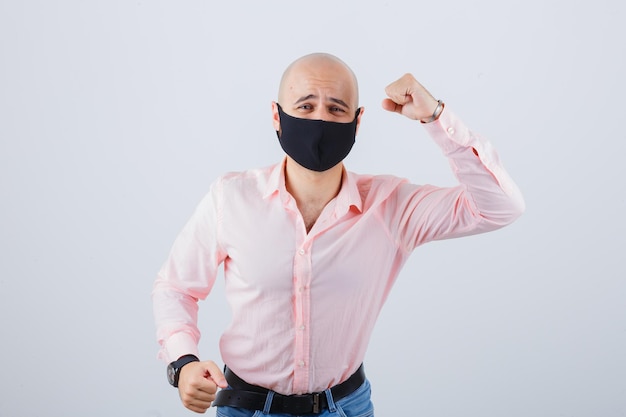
173,369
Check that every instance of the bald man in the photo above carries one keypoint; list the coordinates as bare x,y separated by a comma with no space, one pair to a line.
310,250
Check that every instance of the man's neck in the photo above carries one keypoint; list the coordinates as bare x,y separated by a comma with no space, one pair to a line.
312,190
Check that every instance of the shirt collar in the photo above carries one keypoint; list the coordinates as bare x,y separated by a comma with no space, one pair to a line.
276,181
349,195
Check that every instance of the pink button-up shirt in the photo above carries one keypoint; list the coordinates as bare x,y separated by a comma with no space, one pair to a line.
304,304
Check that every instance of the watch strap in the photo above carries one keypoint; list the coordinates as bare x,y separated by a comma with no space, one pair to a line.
175,367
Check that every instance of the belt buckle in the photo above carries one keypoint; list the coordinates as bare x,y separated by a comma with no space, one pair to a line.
316,403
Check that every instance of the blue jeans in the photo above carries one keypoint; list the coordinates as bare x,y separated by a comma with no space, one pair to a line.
357,404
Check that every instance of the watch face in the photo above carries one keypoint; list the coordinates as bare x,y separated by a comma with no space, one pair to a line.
171,374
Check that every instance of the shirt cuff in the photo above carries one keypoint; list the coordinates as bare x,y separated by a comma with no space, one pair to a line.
177,345
449,132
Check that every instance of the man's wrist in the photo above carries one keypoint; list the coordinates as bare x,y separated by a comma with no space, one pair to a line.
436,113
173,369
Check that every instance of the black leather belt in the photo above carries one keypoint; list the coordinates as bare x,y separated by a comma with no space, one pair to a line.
252,397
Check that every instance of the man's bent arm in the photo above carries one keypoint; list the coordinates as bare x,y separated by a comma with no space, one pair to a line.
187,275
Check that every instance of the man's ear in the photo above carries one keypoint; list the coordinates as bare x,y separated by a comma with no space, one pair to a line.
275,116
358,120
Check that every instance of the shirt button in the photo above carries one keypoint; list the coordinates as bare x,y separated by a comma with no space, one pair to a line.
301,251
301,364
302,327
451,130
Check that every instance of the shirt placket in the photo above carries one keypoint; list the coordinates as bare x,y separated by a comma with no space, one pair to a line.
302,307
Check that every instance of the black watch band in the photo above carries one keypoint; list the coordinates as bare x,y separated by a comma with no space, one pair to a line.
173,369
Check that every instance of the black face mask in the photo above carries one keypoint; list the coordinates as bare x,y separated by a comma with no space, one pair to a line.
316,144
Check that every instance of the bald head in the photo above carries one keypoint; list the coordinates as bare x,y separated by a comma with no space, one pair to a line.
319,70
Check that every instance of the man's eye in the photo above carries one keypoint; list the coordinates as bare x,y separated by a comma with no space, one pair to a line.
305,107
337,109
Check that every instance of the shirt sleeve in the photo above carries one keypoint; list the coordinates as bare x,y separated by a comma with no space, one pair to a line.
187,275
485,199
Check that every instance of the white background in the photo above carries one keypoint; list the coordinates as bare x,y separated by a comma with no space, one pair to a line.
115,116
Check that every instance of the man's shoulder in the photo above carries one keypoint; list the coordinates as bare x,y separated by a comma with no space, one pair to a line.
376,186
366,181
246,176
253,181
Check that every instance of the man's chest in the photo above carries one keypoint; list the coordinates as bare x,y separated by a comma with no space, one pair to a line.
272,250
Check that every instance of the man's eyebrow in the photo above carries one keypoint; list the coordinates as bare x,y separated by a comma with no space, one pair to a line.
339,101
313,96
305,98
